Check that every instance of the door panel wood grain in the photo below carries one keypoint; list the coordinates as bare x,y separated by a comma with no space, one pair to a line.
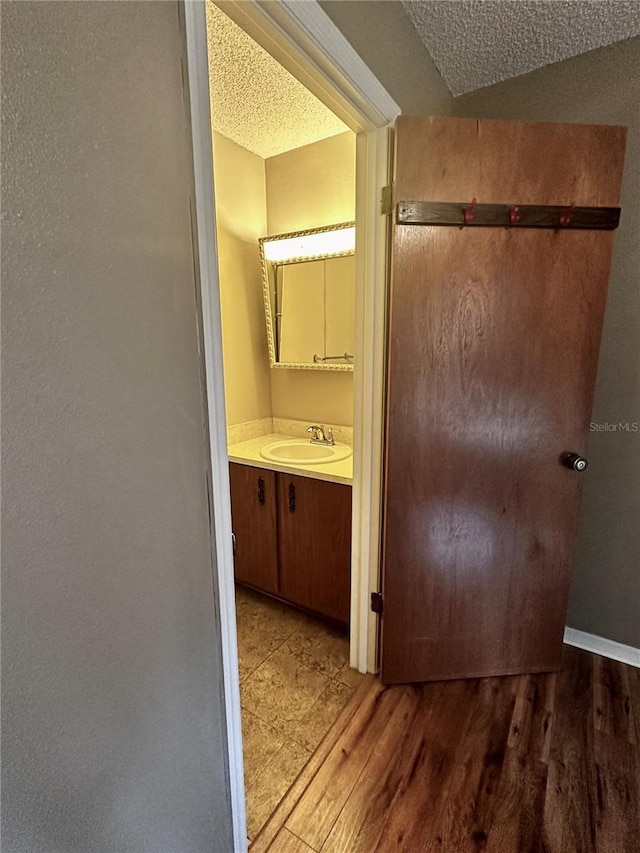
493,347
253,513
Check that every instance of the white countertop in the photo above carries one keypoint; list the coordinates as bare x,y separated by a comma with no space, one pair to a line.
248,453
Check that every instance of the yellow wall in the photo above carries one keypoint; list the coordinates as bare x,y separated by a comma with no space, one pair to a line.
318,396
307,188
312,186
242,218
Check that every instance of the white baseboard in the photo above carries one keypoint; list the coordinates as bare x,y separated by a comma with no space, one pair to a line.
602,646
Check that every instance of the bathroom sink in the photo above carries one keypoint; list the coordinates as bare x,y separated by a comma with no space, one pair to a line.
300,451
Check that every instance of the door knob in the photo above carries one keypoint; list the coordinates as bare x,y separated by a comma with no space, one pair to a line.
575,462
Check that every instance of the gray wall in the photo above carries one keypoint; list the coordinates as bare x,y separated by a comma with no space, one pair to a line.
385,38
601,87
112,718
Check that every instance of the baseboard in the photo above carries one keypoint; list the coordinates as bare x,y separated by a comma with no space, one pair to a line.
602,646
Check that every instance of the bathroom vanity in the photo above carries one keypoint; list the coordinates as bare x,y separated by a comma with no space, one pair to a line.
291,496
292,528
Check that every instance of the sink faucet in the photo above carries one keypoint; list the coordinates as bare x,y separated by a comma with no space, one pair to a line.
318,435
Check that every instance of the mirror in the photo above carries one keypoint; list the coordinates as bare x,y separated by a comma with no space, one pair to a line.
309,280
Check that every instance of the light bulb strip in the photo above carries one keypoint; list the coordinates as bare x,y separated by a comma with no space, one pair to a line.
333,241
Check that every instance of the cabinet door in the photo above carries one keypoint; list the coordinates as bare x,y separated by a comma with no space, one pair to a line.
253,513
314,534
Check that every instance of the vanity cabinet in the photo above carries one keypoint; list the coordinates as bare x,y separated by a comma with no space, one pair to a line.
293,538
314,544
253,510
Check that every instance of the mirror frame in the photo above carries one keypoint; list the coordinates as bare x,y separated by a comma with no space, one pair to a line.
266,265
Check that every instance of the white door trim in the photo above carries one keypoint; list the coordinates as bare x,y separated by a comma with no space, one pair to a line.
372,157
223,582
309,45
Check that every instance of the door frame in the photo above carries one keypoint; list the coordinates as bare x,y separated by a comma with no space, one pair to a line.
303,39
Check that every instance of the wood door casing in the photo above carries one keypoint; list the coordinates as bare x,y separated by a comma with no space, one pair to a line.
253,516
314,536
493,346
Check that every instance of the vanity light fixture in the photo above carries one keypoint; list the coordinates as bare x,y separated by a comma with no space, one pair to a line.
326,243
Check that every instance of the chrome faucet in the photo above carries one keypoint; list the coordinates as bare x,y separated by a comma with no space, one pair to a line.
318,435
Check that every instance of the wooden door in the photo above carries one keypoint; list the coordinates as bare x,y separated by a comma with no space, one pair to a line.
314,533
253,517
493,348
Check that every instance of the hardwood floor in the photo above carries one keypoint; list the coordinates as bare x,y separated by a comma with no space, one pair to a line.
544,763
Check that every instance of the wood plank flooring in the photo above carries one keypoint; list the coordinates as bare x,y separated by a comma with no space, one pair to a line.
545,763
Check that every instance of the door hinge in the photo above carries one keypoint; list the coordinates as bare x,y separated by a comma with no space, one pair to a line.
386,200
376,602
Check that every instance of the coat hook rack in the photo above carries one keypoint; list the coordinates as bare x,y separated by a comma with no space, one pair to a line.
555,217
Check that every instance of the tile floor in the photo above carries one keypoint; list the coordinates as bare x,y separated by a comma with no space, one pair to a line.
294,681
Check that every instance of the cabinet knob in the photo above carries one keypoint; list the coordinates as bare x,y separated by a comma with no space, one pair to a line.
292,498
261,491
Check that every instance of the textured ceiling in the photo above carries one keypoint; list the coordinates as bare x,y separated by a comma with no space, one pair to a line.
475,43
254,100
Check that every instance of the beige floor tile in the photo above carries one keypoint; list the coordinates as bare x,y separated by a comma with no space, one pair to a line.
320,647
260,742
250,604
261,630
322,715
249,659
282,690
270,786
294,678
260,625
350,677
260,633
